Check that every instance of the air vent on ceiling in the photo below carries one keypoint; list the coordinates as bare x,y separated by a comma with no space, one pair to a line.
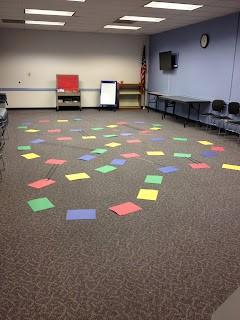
124,21
12,21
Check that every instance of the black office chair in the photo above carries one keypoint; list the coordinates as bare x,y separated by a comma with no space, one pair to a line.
231,124
217,108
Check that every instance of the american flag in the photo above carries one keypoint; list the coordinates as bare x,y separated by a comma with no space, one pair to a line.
143,70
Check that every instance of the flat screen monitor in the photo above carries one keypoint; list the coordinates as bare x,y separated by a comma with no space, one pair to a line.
165,60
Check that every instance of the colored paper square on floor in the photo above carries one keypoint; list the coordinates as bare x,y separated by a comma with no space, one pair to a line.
155,153
22,127
118,162
55,162
44,121
139,122
81,214
155,128
64,138
182,155
24,148
106,169
125,208
180,139
148,194
87,157
130,155
54,131
88,137
153,179
32,130
97,129
77,119
77,176
217,149
113,144
122,122
30,156
61,121
110,135
37,141
112,126
169,169
76,130
40,204
206,143
41,183
99,151
231,167
126,134
146,132
157,139
134,141
156,124
199,165
209,154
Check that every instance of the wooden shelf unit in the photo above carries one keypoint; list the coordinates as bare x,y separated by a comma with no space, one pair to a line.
130,95
68,99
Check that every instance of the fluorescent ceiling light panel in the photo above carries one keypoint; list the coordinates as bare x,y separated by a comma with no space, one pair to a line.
47,23
147,19
172,5
110,26
50,12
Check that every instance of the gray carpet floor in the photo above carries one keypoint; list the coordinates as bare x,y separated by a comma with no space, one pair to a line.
176,259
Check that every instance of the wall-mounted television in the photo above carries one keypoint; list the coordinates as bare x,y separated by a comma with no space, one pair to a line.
167,60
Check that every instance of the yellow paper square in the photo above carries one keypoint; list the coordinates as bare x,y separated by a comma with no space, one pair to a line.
113,144
231,167
155,153
32,130
147,194
88,137
155,129
206,143
77,176
112,126
30,156
62,120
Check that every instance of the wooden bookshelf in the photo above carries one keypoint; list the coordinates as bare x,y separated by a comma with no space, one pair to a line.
130,96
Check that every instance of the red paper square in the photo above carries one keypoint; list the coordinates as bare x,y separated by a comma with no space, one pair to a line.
55,161
199,165
41,183
64,138
54,131
217,148
130,155
125,208
134,141
146,132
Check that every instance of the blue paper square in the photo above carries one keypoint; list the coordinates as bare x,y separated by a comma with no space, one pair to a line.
75,130
139,122
87,157
118,162
81,214
168,169
157,139
37,141
209,154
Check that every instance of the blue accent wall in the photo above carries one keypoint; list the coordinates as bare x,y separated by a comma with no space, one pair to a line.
211,73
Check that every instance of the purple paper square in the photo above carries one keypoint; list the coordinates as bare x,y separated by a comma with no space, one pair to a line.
157,139
209,154
168,169
75,130
81,214
126,134
118,162
87,157
37,141
139,122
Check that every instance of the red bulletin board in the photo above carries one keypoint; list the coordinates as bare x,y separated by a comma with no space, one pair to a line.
68,82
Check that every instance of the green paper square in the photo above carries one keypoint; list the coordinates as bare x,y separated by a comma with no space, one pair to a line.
153,179
180,139
156,125
110,135
23,148
97,129
182,155
99,151
106,169
22,127
40,204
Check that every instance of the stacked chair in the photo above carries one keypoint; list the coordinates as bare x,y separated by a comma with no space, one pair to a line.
3,128
212,116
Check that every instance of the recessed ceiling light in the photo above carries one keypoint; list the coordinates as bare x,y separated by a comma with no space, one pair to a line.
172,5
47,23
50,12
147,19
110,26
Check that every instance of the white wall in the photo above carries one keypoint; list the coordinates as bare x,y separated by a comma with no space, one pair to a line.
33,58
